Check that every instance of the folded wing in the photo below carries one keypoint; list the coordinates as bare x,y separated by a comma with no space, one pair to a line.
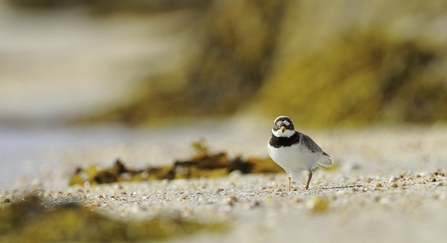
325,159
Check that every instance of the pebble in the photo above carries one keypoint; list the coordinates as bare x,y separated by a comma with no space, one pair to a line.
94,204
117,186
393,185
231,199
317,205
296,200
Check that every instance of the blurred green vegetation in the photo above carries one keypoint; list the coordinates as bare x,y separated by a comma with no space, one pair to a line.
32,220
234,45
270,58
362,75
365,76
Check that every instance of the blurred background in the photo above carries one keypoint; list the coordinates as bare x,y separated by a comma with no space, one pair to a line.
146,63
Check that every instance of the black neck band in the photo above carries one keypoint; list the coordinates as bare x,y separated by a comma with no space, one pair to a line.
278,142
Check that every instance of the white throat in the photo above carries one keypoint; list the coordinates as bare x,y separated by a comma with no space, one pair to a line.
286,133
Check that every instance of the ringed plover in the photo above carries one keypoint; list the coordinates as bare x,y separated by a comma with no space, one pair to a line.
294,151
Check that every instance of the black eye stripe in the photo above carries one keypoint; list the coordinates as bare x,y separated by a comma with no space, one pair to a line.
283,121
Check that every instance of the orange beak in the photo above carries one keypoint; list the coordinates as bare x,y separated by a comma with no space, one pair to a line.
283,128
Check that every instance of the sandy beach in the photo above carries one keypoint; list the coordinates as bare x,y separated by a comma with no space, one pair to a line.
389,186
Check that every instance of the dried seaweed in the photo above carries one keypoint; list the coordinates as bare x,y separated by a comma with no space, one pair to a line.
202,165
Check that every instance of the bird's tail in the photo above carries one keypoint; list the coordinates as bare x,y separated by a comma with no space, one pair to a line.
325,160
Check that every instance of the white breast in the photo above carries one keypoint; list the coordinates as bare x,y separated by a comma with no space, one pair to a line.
295,158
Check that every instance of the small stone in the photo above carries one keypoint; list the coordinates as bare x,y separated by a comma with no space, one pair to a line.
231,199
182,198
254,204
36,182
296,200
6,200
100,196
317,205
251,205
378,184
384,201
277,190
393,185
135,209
95,204
219,190
405,173
117,186
392,179
355,189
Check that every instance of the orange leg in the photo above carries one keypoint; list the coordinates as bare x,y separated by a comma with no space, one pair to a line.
290,182
308,180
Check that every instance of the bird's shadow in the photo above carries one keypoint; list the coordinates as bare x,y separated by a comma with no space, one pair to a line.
340,187
331,188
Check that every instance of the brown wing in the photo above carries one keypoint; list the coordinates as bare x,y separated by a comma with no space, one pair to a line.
306,140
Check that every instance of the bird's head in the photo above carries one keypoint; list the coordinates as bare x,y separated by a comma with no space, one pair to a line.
283,127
